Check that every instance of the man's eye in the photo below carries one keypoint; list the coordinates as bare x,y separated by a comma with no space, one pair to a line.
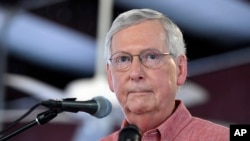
152,56
122,59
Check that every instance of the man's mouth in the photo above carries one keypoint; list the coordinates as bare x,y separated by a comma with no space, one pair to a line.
140,92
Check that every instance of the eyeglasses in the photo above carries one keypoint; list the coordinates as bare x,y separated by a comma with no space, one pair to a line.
150,58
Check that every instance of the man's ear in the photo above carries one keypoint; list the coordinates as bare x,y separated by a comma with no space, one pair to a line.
181,62
109,76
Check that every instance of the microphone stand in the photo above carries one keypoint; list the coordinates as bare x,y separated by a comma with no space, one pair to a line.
41,119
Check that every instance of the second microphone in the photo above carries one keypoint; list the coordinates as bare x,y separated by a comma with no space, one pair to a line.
99,106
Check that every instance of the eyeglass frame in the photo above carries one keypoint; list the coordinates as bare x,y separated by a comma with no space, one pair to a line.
140,58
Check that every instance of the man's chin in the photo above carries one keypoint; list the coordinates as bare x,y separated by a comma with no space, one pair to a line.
139,108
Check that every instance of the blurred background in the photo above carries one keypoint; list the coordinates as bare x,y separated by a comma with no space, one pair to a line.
53,49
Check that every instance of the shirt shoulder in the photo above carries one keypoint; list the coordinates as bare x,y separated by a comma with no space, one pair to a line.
204,129
207,125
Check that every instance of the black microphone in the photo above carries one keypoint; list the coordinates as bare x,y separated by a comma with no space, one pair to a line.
130,133
99,106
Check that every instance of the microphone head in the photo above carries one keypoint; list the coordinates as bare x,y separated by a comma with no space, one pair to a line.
130,133
104,107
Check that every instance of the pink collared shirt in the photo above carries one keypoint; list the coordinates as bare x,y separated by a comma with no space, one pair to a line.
181,126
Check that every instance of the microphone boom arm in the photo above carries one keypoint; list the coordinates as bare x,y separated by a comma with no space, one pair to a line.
41,119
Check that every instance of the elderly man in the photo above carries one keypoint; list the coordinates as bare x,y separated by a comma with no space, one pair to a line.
146,64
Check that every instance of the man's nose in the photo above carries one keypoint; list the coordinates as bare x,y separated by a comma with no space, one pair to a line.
136,69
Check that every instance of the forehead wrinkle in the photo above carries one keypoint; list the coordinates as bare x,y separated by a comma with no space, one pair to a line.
150,37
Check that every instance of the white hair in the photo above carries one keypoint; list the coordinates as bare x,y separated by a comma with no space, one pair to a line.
175,39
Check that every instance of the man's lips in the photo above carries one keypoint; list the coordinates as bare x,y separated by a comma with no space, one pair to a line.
139,89
140,92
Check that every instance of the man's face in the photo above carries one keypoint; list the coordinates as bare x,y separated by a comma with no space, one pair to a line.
139,89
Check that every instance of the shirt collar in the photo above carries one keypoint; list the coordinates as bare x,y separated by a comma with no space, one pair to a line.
173,125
